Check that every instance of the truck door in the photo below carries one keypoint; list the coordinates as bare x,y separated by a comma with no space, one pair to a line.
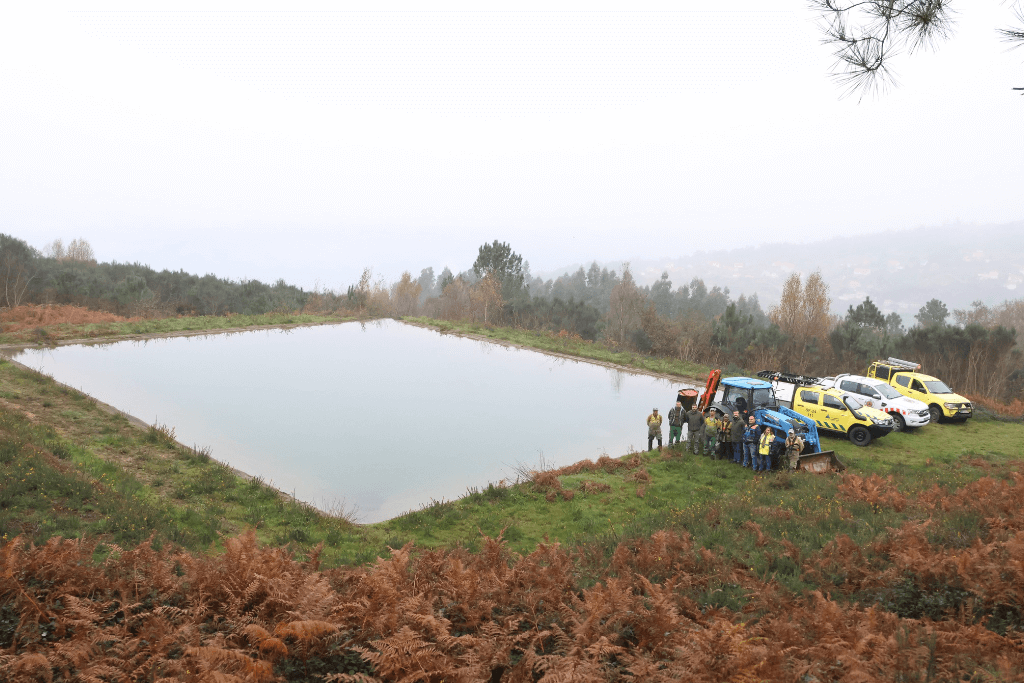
834,414
808,404
920,393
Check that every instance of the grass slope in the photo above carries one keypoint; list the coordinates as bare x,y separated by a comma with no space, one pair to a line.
568,345
53,333
70,468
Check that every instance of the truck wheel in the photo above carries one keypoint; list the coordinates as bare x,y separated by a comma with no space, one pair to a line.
859,436
899,424
935,412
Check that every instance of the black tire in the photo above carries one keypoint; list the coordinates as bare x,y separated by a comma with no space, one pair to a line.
859,435
935,412
899,424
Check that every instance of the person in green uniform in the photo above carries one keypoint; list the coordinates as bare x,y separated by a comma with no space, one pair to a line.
695,429
675,423
794,447
653,430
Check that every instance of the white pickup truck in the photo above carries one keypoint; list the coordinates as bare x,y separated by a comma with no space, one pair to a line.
906,412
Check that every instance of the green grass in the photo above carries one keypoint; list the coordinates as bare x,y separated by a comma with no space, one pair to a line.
83,471
714,500
54,333
77,470
547,341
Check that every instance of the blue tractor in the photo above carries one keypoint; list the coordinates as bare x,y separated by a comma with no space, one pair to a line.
757,397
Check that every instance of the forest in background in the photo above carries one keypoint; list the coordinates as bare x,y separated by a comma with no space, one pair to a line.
975,350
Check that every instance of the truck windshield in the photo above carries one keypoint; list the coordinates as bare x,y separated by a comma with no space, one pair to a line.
764,397
852,403
886,391
938,387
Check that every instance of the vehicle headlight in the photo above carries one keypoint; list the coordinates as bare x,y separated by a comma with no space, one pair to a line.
881,421
952,406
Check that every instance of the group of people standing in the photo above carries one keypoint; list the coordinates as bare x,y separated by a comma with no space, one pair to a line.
720,437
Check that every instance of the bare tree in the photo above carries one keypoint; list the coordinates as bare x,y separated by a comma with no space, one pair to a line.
80,250
486,297
55,250
624,309
17,268
868,34
802,314
405,295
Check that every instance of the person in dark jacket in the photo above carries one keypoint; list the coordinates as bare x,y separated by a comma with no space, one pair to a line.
724,438
695,429
676,416
741,405
751,435
736,428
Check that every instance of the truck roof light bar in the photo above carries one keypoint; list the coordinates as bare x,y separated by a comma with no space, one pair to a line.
910,365
788,378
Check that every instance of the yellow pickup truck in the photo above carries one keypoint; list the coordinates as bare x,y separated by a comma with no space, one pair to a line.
904,377
831,409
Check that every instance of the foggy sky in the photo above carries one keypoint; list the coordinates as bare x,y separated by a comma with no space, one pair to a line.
251,142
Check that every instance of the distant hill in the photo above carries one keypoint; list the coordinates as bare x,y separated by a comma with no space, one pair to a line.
900,271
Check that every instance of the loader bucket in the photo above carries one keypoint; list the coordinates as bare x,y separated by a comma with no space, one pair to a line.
826,461
688,397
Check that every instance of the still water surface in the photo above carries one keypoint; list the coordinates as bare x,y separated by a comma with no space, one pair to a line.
382,417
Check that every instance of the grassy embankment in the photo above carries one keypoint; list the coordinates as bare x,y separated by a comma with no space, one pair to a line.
48,334
69,468
569,345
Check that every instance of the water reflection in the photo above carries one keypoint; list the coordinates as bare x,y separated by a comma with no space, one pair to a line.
381,416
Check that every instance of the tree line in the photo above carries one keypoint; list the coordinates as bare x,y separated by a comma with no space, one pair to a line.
976,350
71,275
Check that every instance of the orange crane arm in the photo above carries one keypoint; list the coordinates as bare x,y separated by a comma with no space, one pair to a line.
710,389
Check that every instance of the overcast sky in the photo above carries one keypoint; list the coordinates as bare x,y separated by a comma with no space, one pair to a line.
251,142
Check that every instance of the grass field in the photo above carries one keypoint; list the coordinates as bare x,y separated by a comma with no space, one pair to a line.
659,565
71,468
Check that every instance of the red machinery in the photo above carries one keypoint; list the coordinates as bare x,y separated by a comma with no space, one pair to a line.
710,389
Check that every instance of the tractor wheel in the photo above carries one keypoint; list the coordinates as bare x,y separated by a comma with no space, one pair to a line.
859,436
899,424
935,412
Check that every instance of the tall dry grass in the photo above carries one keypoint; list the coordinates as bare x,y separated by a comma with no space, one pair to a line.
29,316
258,614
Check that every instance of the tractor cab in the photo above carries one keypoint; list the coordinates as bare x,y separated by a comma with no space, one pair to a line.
747,395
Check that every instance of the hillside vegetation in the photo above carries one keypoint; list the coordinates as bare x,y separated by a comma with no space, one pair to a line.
974,349
648,566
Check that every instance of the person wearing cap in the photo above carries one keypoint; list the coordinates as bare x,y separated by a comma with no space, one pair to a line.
710,433
653,430
751,437
736,429
724,438
675,423
794,447
695,429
